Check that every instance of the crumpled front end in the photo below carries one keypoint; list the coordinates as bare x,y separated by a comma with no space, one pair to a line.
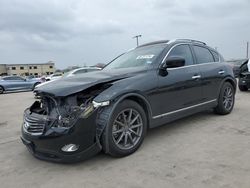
62,129
244,79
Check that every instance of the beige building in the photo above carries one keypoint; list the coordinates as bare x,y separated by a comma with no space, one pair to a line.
3,70
27,69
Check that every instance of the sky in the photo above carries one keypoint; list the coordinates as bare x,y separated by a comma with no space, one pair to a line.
74,32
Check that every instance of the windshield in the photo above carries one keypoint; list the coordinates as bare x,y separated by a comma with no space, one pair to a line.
139,57
68,73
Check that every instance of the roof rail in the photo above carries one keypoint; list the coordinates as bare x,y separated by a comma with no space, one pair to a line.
190,40
155,42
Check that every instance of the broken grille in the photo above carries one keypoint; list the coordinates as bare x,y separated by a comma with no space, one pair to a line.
33,125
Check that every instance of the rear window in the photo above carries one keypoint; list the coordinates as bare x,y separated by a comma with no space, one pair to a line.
203,55
216,56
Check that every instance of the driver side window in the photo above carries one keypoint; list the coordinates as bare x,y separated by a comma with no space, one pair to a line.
80,71
184,51
18,78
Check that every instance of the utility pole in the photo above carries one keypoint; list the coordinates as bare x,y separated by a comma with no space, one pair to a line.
137,39
247,49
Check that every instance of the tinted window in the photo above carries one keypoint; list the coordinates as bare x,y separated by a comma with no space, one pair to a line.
57,74
203,55
17,78
221,58
216,56
183,51
7,78
13,78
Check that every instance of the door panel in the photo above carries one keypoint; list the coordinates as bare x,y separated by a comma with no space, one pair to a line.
212,76
21,84
212,72
182,86
178,89
17,84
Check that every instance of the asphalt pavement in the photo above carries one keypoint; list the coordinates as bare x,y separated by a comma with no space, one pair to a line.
204,150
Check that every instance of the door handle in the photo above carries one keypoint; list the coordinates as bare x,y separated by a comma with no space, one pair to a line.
221,72
196,76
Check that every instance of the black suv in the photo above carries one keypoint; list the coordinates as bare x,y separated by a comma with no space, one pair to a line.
112,109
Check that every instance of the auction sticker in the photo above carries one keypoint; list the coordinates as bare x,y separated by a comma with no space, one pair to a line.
145,56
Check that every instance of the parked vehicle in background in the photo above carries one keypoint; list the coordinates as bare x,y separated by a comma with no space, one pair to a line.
236,64
244,76
54,76
81,71
13,83
35,78
112,109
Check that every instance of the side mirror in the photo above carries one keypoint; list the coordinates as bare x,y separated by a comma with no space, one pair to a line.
173,62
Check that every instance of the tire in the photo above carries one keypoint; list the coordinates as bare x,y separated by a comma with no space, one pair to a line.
1,89
119,134
226,99
243,88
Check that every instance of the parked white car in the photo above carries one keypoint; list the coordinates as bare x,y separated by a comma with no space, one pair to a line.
54,76
81,71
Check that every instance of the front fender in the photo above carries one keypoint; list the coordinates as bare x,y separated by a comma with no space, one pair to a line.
116,96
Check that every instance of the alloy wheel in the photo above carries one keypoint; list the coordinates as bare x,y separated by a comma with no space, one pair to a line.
127,129
228,98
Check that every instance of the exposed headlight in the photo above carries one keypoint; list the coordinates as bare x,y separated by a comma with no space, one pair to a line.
78,112
99,104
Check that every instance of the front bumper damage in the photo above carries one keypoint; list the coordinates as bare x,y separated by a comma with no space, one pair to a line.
48,145
63,129
244,79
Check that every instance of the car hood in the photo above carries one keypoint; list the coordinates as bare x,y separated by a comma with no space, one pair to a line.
70,85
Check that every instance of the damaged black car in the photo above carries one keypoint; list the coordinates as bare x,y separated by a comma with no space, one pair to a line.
111,110
244,76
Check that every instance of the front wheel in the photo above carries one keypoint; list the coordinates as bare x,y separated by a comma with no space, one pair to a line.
243,88
226,99
125,129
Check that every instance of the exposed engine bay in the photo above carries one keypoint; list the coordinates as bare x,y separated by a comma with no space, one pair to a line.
65,110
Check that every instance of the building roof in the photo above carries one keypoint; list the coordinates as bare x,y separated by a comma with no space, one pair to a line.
29,64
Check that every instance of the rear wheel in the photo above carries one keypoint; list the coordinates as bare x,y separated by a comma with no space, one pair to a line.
125,130
226,99
1,89
243,88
